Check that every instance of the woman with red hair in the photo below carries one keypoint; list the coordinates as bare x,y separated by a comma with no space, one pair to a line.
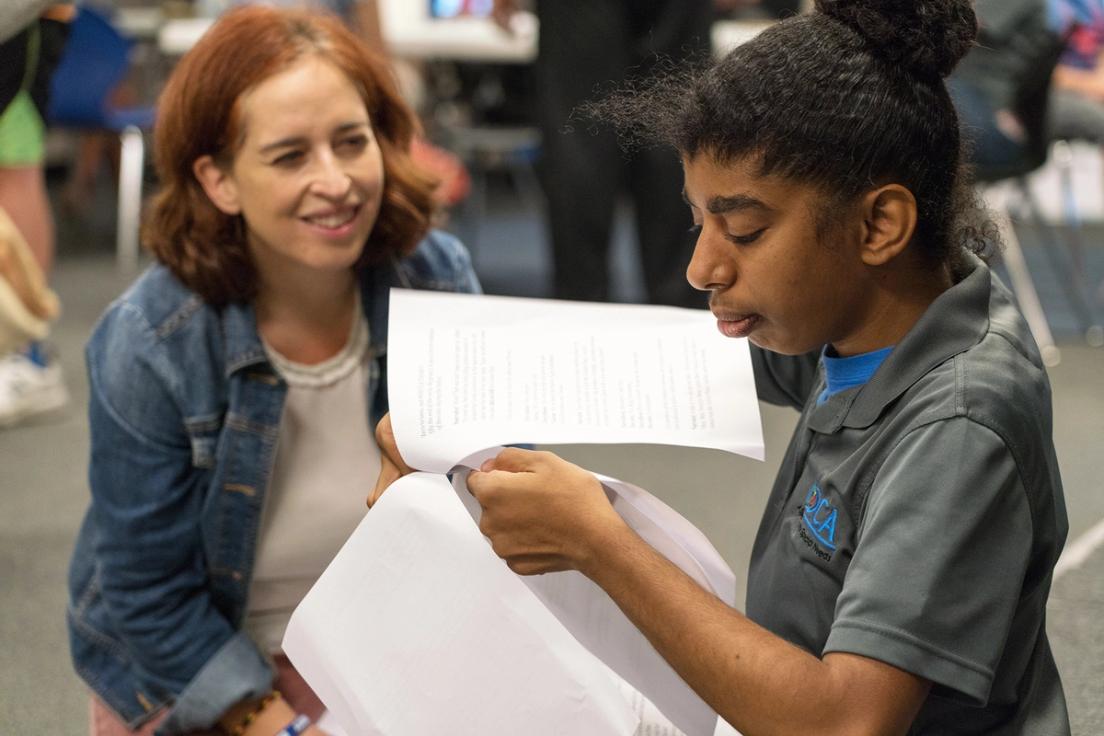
234,386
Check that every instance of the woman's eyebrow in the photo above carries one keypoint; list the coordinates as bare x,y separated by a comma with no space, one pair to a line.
350,126
299,140
282,143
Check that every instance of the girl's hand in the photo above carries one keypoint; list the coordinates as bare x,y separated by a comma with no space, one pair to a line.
542,513
392,466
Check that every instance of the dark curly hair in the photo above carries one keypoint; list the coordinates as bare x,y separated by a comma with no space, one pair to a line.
199,114
846,98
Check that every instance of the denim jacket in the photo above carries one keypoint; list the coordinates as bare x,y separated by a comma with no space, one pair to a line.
184,410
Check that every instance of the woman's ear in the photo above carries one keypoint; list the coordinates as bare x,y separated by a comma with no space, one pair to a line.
218,184
889,216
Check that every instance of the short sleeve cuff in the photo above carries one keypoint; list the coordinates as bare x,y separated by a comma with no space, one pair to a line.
235,673
906,652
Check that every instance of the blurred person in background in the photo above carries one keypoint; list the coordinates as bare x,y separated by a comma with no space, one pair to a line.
234,386
1077,95
585,44
31,381
1015,54
987,87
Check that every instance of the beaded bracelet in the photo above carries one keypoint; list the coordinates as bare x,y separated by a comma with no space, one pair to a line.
296,727
251,716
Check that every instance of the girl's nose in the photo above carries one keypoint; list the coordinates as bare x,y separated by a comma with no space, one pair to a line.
709,269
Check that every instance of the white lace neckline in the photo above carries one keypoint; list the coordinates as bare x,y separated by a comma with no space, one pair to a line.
331,370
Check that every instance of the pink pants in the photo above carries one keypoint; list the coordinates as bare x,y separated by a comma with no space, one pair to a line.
103,722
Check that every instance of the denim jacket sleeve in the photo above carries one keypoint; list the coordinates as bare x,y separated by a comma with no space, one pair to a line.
146,502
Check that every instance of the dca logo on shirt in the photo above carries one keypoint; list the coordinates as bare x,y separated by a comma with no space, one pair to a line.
819,518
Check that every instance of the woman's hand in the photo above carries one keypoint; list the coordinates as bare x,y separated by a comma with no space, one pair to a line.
542,513
392,466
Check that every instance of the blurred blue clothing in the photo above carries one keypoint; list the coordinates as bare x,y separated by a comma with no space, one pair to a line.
989,146
1063,14
1084,21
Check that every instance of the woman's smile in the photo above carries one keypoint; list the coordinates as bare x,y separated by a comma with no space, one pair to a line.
338,222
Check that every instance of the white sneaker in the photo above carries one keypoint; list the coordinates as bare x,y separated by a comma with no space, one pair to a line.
28,389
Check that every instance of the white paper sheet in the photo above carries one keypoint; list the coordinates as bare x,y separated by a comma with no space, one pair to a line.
418,629
600,626
416,620
467,372
327,722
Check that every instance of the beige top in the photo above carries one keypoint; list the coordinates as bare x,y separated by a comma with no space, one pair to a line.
326,464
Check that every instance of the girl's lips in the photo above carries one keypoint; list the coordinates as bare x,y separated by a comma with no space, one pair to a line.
738,327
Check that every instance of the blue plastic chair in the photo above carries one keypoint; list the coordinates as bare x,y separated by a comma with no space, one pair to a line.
95,60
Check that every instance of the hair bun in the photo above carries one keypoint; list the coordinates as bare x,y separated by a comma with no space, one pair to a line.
926,35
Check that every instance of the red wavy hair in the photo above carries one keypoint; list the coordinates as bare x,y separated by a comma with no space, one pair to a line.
199,114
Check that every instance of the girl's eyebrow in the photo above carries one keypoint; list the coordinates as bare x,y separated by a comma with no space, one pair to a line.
734,203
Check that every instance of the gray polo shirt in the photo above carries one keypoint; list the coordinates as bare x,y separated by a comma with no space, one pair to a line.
916,519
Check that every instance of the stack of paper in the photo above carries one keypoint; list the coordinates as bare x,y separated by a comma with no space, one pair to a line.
417,628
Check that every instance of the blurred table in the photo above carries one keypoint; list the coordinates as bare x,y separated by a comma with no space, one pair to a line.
178,35
139,23
411,34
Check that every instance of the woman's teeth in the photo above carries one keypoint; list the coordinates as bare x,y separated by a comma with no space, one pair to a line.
335,220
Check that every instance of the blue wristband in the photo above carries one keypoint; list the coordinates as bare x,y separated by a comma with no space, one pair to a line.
296,727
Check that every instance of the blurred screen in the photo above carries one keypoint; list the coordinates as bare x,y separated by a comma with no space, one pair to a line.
458,8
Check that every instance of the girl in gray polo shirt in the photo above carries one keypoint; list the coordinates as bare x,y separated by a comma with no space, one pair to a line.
901,570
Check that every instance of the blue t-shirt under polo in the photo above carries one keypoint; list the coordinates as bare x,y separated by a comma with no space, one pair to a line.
855,370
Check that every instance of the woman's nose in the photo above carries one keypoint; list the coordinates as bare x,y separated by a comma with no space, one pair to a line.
330,178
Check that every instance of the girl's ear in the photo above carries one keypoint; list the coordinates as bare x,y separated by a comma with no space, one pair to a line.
889,219
218,184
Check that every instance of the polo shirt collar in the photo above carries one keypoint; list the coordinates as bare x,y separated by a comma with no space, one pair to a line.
956,321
